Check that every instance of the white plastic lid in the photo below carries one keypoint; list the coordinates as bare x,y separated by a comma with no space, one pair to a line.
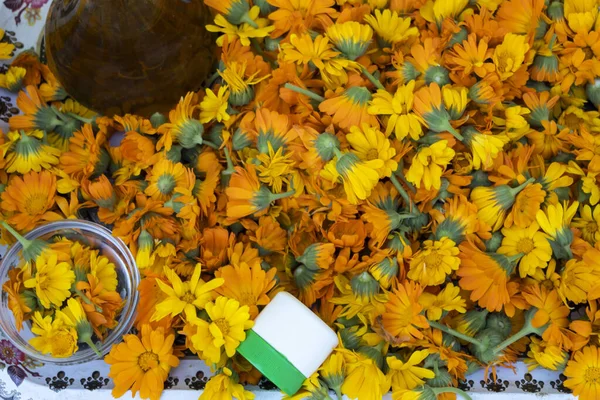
296,332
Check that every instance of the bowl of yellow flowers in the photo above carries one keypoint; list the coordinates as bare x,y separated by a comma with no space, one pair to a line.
69,291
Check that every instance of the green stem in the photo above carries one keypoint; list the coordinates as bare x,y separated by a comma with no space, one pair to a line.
246,18
282,195
337,152
230,168
211,79
515,191
454,333
60,115
451,390
80,118
527,329
87,299
305,92
24,242
210,144
92,346
402,192
454,132
370,77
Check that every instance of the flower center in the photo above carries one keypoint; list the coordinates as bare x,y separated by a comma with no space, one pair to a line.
592,227
222,325
505,61
548,284
147,361
592,375
433,260
525,246
372,154
63,344
188,298
36,204
7,353
247,299
43,281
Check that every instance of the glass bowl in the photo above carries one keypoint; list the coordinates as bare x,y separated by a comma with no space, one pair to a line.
97,237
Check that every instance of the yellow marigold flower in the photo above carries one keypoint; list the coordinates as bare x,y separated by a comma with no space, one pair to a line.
167,177
530,245
6,49
227,326
27,151
390,27
275,168
368,143
448,299
510,54
350,108
30,199
485,147
184,296
350,38
581,15
143,363
303,50
246,194
332,372
244,31
52,280
429,164
182,127
455,100
363,380
85,153
551,311
240,85
52,336
438,10
582,372
470,56
359,177
545,355
12,80
434,261
224,384
520,17
247,284
555,222
402,121
485,275
402,318
102,269
527,204
407,374
589,223
577,280
493,202
214,106
429,106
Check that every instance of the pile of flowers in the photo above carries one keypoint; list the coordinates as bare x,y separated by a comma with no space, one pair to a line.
66,289
423,174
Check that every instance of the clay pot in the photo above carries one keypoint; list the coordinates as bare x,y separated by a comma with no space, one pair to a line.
119,56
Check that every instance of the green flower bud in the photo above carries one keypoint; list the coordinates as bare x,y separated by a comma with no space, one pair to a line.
215,134
272,44
191,134
437,74
489,339
593,92
174,154
442,378
350,337
326,144
500,323
375,353
157,119
494,243
480,178
364,286
458,37
241,140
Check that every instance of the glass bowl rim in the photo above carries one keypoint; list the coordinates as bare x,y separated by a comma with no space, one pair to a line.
127,317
